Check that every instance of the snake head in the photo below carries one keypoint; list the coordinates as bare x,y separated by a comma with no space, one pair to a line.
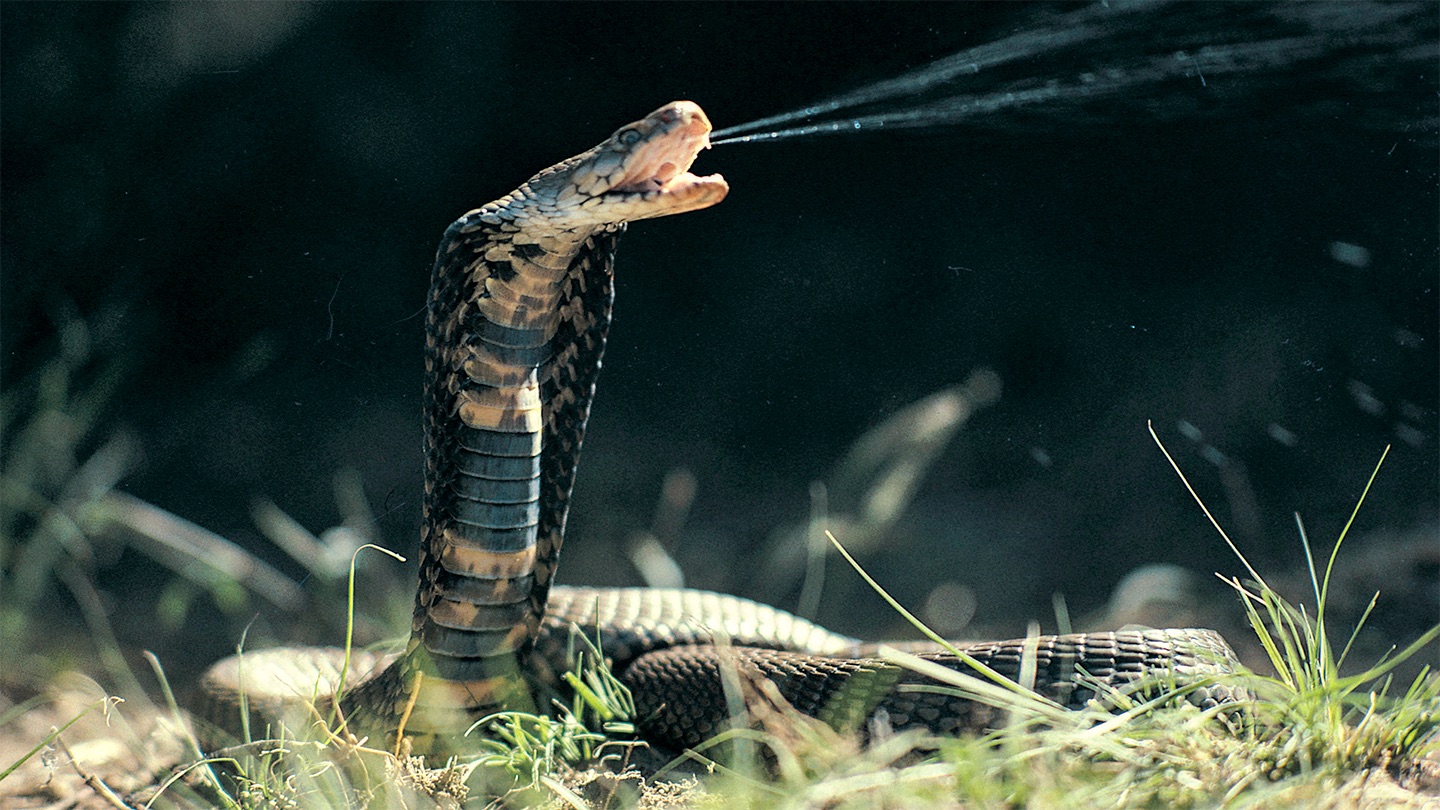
640,172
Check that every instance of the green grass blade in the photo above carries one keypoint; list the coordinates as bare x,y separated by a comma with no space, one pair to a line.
1355,633
1255,575
55,733
915,622
175,714
350,626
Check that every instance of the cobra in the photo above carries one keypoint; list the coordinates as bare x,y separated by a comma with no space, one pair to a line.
518,312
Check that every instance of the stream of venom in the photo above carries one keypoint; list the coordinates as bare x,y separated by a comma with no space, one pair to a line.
1154,60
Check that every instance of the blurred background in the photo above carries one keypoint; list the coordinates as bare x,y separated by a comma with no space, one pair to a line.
218,222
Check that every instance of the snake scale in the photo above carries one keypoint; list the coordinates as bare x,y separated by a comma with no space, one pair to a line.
519,308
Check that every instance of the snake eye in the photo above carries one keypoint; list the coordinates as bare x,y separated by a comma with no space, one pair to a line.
628,137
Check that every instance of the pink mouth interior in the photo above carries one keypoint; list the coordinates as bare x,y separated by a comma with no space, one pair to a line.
666,170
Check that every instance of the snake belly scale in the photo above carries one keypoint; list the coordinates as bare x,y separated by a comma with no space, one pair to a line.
518,312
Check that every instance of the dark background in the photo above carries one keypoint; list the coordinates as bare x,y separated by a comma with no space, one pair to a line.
243,201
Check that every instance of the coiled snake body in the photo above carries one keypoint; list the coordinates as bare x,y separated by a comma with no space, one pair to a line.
518,312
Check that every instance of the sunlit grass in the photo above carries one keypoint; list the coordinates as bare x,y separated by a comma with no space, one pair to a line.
1311,737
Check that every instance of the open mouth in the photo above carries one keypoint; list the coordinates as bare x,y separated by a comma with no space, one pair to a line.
668,178
662,183
663,164
663,178
666,173
654,179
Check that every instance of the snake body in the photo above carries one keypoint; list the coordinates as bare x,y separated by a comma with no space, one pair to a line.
518,312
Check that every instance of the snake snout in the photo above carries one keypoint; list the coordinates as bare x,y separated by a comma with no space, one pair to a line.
655,155
661,146
687,113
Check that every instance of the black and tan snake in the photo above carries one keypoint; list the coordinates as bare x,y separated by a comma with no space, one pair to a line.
519,307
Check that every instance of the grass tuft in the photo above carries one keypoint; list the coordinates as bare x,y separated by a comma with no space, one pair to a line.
596,725
1319,733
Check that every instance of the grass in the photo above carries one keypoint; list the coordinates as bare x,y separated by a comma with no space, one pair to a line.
1312,736
1309,738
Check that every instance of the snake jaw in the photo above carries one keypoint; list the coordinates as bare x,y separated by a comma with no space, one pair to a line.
658,166
640,172
660,146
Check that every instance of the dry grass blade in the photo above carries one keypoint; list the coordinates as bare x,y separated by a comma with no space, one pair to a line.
104,704
198,553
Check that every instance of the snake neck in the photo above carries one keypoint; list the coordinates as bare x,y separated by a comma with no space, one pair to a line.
515,328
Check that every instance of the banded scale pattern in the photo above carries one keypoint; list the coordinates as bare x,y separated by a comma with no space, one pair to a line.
519,307
515,345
